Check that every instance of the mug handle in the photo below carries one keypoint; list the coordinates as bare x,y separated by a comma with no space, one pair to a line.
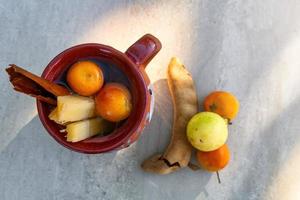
143,50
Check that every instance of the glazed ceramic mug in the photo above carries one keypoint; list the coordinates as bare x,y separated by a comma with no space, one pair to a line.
132,63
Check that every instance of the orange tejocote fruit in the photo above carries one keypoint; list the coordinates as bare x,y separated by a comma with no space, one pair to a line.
85,78
113,102
222,103
214,160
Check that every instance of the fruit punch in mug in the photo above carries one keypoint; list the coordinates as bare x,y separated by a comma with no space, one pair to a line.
111,93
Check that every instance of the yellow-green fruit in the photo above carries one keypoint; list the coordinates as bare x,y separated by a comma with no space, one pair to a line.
207,131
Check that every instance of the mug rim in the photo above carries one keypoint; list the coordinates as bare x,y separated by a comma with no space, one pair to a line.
122,135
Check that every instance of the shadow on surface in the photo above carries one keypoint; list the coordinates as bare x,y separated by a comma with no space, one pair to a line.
36,166
154,140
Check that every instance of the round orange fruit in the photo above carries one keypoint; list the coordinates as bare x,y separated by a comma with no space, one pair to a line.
113,102
222,103
85,78
214,160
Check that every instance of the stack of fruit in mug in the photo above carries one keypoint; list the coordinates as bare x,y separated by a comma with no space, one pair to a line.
95,107
208,131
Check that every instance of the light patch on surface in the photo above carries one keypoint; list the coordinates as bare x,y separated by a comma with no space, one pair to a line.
287,182
122,27
279,85
289,73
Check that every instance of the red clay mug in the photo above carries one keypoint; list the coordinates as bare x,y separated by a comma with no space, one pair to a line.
132,63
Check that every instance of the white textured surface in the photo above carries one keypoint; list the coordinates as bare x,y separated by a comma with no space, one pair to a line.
249,47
